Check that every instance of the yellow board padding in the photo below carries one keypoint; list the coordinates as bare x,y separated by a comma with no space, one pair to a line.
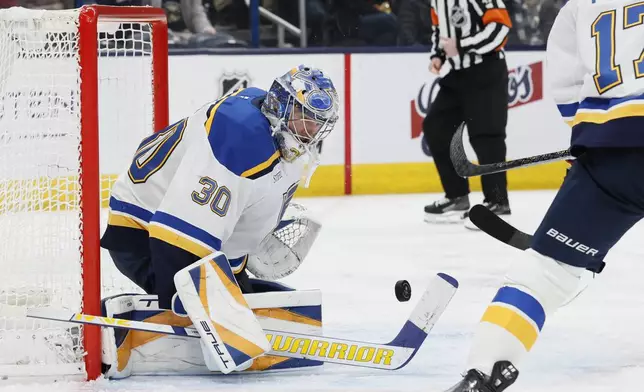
419,177
423,178
328,180
47,194
61,193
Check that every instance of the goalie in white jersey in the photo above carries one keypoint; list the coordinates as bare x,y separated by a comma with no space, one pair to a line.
595,61
201,195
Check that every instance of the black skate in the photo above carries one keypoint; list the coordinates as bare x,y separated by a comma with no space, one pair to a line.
447,210
500,209
503,375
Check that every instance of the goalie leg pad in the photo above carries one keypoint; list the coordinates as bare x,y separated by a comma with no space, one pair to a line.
212,298
120,346
534,288
140,353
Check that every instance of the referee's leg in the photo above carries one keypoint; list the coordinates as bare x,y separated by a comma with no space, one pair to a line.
445,115
486,114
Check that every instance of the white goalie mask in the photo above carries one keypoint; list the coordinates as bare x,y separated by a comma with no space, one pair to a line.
302,107
282,251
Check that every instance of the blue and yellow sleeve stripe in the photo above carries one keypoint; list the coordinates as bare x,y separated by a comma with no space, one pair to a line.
179,233
125,214
517,312
568,111
602,110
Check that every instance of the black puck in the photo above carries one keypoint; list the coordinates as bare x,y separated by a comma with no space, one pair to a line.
403,290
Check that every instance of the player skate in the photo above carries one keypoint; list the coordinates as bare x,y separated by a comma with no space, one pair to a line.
503,375
447,210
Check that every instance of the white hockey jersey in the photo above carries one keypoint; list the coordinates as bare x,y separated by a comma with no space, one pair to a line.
212,181
595,62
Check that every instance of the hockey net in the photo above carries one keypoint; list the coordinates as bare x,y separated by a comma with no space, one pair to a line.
78,90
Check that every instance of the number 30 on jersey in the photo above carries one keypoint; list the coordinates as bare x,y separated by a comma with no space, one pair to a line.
608,74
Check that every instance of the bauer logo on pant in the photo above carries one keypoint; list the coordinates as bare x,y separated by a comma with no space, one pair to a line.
578,246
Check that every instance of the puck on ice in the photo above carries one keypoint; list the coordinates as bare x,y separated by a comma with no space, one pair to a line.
403,290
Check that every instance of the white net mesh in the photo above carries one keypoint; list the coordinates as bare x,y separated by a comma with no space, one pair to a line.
40,134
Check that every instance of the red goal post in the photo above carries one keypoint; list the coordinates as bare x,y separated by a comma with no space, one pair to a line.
90,179
73,83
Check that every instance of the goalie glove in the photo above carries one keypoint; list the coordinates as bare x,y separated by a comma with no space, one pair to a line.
282,251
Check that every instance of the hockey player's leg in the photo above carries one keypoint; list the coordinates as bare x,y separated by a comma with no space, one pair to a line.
444,117
533,289
572,237
231,335
136,267
486,111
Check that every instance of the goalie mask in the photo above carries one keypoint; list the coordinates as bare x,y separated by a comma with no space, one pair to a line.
282,251
302,107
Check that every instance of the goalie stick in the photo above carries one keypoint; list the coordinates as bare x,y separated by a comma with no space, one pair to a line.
389,356
465,168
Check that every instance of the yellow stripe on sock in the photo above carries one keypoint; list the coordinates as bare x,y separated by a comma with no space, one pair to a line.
512,322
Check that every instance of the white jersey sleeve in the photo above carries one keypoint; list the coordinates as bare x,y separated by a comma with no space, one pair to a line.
595,67
563,66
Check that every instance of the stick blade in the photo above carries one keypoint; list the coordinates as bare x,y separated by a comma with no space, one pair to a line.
496,227
429,309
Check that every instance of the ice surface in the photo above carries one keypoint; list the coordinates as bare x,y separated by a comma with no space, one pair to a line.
369,242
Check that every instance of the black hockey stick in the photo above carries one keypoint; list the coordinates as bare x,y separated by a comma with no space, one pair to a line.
496,227
465,168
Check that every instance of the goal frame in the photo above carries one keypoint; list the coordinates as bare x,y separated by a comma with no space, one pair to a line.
89,177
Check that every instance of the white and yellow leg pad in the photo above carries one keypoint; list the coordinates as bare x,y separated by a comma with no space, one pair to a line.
230,333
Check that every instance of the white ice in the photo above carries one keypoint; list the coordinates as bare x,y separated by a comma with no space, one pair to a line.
369,242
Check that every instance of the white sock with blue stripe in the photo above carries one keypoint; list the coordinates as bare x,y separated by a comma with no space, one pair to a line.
534,288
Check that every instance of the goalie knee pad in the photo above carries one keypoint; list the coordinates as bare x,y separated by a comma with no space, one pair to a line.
534,288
